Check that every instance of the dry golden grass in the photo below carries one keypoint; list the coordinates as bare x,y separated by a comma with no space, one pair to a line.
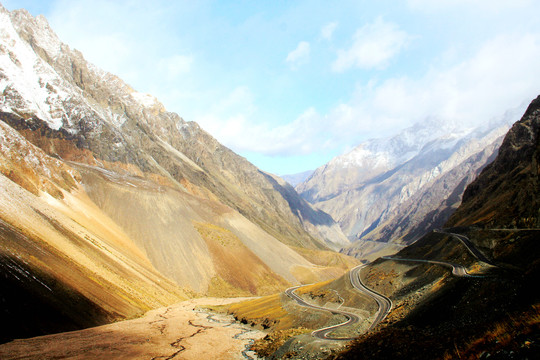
267,310
308,275
327,258
330,265
321,293
438,284
305,274
224,237
239,271
221,288
313,287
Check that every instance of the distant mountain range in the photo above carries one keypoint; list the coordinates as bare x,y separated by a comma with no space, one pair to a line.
111,206
394,190
295,179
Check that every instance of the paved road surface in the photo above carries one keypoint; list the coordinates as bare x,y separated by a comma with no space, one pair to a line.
457,270
385,304
323,333
469,245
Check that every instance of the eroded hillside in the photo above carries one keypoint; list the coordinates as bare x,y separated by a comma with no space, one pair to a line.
124,206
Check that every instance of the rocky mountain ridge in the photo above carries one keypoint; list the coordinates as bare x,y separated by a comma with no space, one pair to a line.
399,188
97,111
462,291
295,179
88,162
506,192
373,158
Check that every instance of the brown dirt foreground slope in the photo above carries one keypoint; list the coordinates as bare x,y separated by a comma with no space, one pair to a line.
178,331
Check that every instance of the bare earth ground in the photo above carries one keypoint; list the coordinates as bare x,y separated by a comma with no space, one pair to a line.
175,332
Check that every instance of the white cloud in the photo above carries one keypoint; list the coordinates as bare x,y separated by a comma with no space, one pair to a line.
233,122
373,46
480,5
499,76
299,137
228,116
176,65
328,30
300,55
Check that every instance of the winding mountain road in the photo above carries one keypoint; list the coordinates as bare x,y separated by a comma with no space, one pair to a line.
457,270
323,333
469,245
385,304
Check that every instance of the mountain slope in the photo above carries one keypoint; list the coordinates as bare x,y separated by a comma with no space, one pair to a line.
489,308
384,189
140,207
417,216
437,315
506,193
295,179
369,160
96,111
64,264
430,207
79,113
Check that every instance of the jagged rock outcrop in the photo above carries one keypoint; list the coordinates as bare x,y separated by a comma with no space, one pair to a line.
506,193
467,318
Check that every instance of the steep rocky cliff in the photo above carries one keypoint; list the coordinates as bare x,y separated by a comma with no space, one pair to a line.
506,192
69,99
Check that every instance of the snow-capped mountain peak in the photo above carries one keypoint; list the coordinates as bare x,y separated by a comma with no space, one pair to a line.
400,148
375,182
26,79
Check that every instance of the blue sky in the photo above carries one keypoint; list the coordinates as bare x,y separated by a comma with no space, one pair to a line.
291,84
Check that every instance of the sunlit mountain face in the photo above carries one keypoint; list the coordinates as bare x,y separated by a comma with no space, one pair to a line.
129,232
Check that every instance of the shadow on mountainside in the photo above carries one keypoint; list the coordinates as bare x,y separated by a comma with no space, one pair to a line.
469,318
298,205
33,303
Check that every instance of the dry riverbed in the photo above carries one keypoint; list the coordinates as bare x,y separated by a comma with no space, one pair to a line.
175,332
